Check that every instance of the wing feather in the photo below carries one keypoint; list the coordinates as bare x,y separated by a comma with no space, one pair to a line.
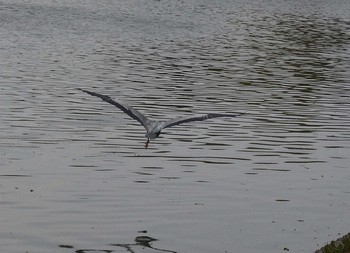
178,121
132,112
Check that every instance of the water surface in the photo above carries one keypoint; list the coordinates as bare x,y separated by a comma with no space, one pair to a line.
75,176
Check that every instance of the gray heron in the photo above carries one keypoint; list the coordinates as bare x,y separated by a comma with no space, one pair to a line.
154,127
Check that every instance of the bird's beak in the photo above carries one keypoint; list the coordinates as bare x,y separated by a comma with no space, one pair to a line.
146,144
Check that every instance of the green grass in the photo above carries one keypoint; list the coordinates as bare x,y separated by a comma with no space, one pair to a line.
341,245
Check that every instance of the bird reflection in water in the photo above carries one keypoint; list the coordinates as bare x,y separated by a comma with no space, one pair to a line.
141,242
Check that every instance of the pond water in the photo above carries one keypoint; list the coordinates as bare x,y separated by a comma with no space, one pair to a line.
74,174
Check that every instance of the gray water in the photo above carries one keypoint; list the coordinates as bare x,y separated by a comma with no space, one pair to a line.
74,174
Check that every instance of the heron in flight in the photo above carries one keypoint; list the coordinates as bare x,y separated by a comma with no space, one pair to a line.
154,127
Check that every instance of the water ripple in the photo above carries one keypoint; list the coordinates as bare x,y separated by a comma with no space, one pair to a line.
75,171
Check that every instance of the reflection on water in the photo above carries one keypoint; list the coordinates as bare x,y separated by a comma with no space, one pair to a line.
141,243
74,170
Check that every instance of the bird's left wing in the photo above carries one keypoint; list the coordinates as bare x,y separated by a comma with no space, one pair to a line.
178,121
132,112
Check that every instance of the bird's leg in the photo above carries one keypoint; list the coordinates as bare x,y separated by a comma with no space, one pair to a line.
146,144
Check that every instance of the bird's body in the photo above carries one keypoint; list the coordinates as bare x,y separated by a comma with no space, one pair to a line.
154,127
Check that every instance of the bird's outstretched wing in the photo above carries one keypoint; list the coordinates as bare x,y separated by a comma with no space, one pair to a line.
178,121
132,112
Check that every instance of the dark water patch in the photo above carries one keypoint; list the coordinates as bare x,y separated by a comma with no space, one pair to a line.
251,173
105,170
143,243
194,158
66,246
305,160
266,163
271,169
301,147
257,149
83,166
337,157
215,162
152,167
141,181
162,151
293,153
215,144
94,251
143,173
15,175
334,146
44,142
205,161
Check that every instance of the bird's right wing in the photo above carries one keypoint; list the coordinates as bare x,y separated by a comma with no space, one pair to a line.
178,121
132,112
